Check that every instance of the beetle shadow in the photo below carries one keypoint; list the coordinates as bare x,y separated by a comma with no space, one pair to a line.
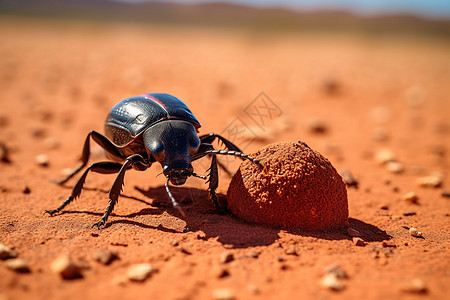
233,232
202,217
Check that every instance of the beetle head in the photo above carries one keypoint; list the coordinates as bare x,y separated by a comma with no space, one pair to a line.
172,143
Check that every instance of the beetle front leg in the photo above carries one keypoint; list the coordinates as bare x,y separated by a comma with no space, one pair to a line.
117,187
103,142
214,183
209,138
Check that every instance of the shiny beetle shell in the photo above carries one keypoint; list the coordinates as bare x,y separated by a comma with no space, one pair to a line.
128,119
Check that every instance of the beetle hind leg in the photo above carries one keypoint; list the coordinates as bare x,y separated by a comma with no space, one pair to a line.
99,139
106,167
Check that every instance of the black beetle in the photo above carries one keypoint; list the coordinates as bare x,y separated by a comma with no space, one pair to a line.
145,129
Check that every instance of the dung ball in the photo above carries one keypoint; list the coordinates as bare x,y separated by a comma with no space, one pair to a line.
297,188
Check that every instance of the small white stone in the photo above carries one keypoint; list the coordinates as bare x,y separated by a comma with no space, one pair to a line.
384,156
140,272
226,257
42,160
18,265
6,252
434,180
395,167
330,281
415,232
415,286
411,197
357,241
64,266
223,294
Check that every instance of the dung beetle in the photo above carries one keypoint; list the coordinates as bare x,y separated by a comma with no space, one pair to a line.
150,128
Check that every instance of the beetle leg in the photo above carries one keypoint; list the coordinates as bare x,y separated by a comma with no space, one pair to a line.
213,179
103,142
209,138
105,167
202,151
117,187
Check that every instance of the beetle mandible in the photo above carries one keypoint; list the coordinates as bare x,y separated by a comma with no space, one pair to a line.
150,128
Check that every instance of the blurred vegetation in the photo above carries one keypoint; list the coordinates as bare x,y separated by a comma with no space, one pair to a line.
228,16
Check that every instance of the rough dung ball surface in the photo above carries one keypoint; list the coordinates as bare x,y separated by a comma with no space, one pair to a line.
299,189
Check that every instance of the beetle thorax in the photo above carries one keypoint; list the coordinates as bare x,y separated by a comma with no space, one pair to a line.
172,143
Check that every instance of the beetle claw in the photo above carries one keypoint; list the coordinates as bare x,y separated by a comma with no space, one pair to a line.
51,212
99,224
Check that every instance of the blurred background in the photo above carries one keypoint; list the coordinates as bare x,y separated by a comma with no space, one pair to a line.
370,73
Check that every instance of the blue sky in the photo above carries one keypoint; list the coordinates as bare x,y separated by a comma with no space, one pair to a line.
430,8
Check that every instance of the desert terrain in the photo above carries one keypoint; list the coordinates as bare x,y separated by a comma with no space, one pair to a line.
353,98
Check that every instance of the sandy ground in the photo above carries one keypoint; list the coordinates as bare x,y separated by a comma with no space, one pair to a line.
347,97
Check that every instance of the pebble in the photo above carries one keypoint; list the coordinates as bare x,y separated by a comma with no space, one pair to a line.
434,180
174,243
106,256
4,153
51,143
18,265
415,286
65,267
445,194
353,232
42,160
140,272
26,190
337,270
395,167
348,178
6,252
411,197
380,134
384,156
185,250
223,294
388,245
220,272
415,232
254,289
291,250
226,257
332,282
357,241
254,253
409,213
316,125
330,85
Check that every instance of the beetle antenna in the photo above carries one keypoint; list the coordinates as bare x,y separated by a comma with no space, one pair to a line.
174,202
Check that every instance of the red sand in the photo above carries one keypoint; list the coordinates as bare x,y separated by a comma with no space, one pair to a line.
59,80
299,189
